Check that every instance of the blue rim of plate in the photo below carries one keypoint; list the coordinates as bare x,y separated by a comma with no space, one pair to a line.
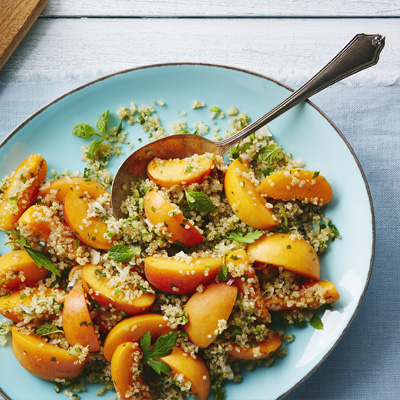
19,127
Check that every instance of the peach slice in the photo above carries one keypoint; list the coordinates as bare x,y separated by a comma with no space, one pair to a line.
133,328
244,199
280,250
125,372
160,211
21,190
96,285
207,312
77,323
43,359
90,230
18,268
38,302
310,295
248,284
167,173
261,350
172,276
62,186
43,225
297,184
194,370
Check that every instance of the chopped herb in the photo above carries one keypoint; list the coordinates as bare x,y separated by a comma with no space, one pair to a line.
93,148
269,154
41,260
238,236
316,322
99,273
268,171
188,169
85,323
223,274
214,109
53,359
333,228
315,174
199,202
47,329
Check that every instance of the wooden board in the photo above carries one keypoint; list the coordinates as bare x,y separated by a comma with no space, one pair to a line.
16,17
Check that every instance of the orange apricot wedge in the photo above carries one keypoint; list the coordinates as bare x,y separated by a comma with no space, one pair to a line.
261,350
77,323
244,199
18,268
125,372
97,286
60,187
297,184
35,302
91,230
206,311
133,328
180,277
160,211
280,250
167,173
42,359
309,295
194,370
21,190
247,282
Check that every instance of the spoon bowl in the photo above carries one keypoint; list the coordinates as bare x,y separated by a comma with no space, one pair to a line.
361,52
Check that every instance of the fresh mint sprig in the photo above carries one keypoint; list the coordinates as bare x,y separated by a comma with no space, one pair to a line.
199,202
239,236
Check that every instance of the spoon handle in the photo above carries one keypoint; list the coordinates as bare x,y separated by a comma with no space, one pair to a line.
360,53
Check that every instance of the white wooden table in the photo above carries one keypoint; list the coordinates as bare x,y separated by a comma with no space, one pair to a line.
76,41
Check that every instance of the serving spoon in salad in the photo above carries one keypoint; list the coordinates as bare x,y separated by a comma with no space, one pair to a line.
361,52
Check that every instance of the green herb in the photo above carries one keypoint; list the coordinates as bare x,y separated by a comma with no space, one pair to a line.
119,130
333,228
315,174
41,260
214,109
102,122
162,348
220,394
122,253
188,169
85,323
47,329
84,131
268,171
53,359
141,119
199,202
99,273
223,274
269,154
93,148
238,236
235,152
285,224
316,322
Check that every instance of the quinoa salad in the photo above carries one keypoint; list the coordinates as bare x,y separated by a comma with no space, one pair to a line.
194,285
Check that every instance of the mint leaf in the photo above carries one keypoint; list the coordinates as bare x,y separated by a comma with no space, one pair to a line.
199,202
220,394
315,174
159,366
119,130
93,148
83,131
269,154
223,273
121,253
145,342
41,260
214,109
238,236
102,122
163,346
47,329
316,322
333,228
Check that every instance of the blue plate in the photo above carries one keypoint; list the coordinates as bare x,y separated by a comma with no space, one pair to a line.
304,131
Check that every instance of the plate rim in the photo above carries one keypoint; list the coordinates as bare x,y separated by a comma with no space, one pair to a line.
259,75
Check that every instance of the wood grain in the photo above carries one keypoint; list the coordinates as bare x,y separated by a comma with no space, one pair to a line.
16,17
223,8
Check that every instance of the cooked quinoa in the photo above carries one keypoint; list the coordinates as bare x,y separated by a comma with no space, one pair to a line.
263,286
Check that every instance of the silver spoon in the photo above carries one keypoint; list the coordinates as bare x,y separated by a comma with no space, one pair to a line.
361,52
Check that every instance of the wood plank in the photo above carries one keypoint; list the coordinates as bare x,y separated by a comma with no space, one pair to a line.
228,8
287,49
16,18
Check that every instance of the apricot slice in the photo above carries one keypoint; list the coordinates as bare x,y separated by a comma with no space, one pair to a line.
172,276
208,311
125,372
62,186
21,190
160,211
194,370
261,350
244,199
36,303
43,359
40,223
167,173
133,328
297,184
280,250
91,230
77,323
247,282
98,288
18,268
310,295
